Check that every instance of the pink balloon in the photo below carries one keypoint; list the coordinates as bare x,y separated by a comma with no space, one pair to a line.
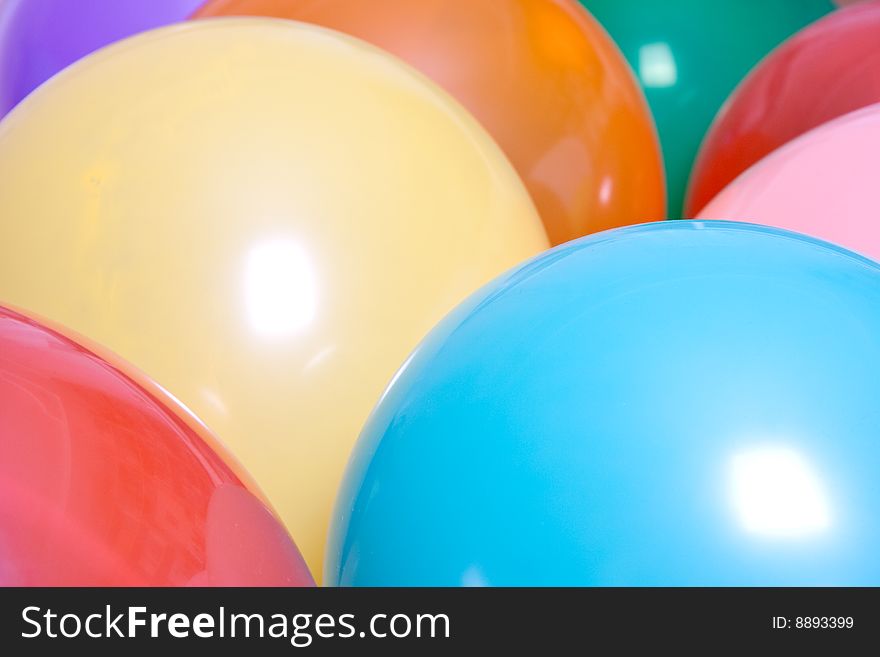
825,183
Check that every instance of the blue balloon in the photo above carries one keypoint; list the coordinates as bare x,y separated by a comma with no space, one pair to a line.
679,403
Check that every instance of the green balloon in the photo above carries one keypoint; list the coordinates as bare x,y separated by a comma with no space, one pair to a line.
689,55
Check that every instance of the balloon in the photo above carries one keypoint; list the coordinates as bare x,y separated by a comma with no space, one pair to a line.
681,403
826,70
104,483
263,216
541,76
823,183
38,38
689,55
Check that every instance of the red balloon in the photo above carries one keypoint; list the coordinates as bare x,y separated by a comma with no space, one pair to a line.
104,480
824,71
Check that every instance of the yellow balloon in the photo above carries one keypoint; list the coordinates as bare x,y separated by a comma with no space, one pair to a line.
263,216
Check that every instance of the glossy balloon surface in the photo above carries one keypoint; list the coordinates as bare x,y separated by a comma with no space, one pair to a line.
265,217
103,483
38,38
690,54
823,183
681,403
541,76
828,69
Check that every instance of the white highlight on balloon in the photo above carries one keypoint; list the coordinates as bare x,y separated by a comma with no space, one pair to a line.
605,189
473,578
657,65
280,289
776,493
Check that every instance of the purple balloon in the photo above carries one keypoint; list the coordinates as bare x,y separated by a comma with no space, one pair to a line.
40,37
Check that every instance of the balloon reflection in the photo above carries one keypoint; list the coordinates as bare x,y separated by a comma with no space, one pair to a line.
280,290
473,578
657,65
605,190
777,493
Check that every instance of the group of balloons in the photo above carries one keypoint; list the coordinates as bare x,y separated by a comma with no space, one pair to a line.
252,239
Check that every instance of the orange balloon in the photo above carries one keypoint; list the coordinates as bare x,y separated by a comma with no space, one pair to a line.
541,75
